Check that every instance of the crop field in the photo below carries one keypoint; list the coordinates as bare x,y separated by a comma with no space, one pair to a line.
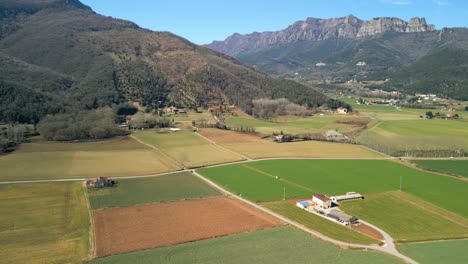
406,221
43,223
422,137
255,147
437,252
125,229
170,187
457,167
50,160
301,178
274,245
293,125
187,148
320,224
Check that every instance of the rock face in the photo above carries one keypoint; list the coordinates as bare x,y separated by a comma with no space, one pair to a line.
315,29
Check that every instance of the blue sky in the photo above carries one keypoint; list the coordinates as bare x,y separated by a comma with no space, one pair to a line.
202,21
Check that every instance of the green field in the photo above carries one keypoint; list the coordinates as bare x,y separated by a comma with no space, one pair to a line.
302,178
187,148
51,160
403,220
276,245
421,137
457,167
43,223
320,224
453,252
149,190
294,125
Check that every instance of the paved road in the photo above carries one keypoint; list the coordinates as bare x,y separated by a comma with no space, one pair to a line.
388,247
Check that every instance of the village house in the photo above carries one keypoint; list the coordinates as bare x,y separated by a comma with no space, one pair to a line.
99,182
341,110
322,200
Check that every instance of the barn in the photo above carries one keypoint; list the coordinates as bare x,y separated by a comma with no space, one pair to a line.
349,196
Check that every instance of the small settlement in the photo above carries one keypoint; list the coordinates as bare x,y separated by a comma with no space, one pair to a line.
326,207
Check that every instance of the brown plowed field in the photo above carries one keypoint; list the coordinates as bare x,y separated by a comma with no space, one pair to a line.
367,230
126,229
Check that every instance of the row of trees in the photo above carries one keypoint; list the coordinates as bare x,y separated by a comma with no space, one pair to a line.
11,136
267,108
94,124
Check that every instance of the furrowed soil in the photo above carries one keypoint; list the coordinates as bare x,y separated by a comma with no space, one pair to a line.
126,229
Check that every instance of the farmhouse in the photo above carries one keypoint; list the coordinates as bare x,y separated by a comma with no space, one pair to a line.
322,200
99,182
174,129
278,138
347,197
342,217
342,110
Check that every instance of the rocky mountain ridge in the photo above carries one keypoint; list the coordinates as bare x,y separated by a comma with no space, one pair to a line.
314,29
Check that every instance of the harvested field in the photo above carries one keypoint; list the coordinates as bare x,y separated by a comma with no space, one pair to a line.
367,230
126,229
226,136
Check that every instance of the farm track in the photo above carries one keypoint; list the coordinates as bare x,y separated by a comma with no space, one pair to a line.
388,247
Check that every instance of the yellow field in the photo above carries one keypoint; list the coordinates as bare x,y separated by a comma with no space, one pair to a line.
43,223
52,160
187,148
254,147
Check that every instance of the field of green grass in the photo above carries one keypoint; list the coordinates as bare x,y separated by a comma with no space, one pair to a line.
187,148
320,224
403,220
421,137
302,178
43,223
457,167
275,245
51,160
294,125
170,187
453,252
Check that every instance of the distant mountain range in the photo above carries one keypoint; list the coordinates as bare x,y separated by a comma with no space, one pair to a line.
59,56
413,56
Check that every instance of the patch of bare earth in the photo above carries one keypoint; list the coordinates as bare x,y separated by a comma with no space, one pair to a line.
125,229
367,230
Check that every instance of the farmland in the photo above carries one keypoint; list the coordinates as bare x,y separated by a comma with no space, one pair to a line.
43,223
187,148
437,252
305,177
320,224
456,167
50,160
422,137
275,245
254,147
154,225
403,220
170,187
293,125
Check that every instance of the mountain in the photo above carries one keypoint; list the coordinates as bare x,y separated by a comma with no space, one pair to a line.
412,55
314,29
59,56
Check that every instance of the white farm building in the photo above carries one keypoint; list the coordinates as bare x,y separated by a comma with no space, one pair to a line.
347,197
322,200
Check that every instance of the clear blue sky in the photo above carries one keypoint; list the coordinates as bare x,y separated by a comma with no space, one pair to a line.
202,21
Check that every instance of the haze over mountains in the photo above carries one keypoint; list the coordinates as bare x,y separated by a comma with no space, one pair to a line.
413,55
59,56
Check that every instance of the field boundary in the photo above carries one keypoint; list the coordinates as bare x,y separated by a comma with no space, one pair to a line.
92,230
221,147
176,162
